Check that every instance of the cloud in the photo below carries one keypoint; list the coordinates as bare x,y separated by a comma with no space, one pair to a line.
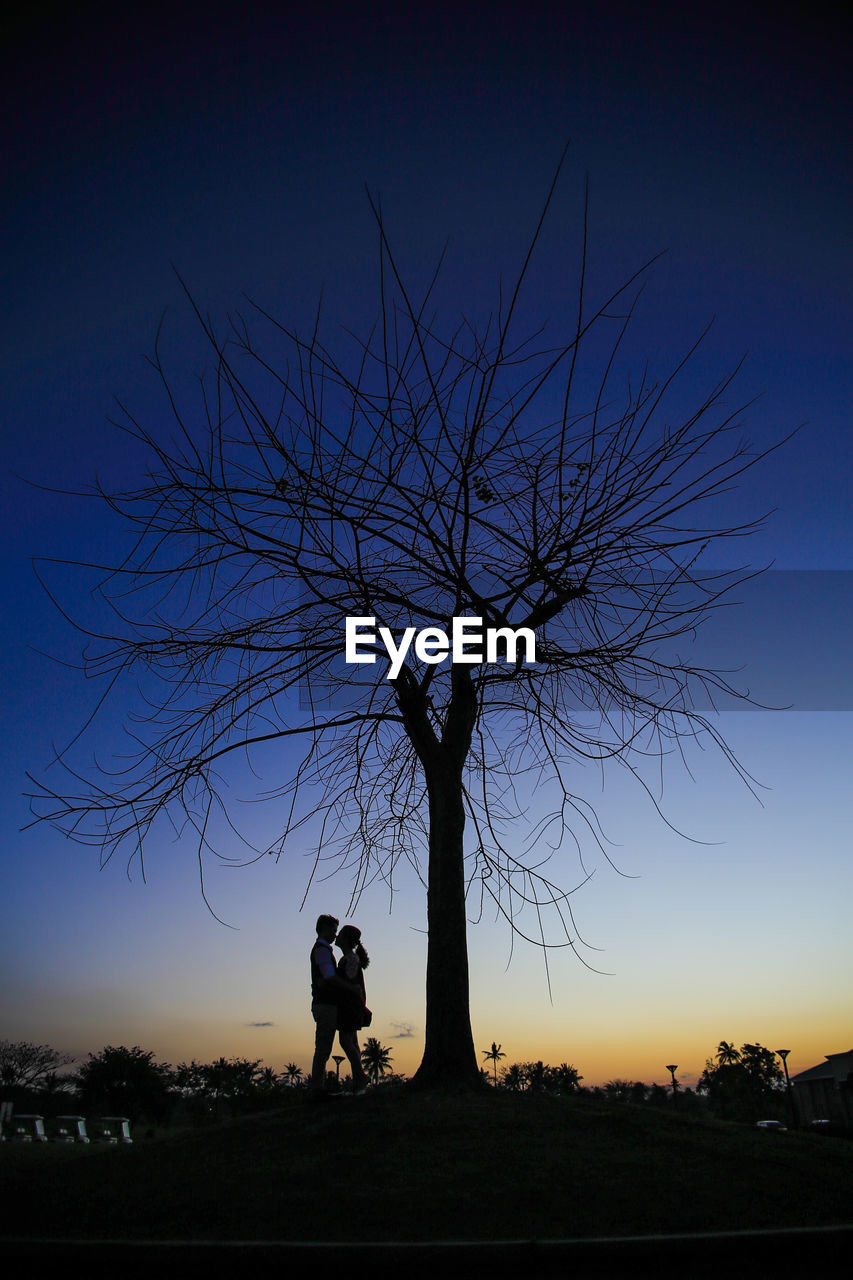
260,1024
404,1030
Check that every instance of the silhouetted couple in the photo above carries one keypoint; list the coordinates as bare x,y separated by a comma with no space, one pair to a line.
338,1001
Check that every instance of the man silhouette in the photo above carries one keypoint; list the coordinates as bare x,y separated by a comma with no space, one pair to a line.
324,1009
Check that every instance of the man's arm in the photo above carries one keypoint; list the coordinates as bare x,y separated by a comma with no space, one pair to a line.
326,964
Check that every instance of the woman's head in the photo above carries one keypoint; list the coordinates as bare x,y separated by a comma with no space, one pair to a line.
349,939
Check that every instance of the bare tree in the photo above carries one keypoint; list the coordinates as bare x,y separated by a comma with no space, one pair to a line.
27,1065
414,476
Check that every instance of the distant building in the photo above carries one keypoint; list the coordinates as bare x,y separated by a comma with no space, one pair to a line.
825,1092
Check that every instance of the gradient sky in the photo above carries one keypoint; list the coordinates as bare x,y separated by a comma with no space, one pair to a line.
237,150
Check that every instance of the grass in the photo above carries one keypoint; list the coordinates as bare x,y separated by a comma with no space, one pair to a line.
398,1166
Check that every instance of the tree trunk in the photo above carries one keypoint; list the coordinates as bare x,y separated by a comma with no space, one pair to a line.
449,1059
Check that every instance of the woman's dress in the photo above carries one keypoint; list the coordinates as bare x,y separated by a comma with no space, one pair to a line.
352,1006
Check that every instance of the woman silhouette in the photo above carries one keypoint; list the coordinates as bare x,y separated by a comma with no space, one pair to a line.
353,1013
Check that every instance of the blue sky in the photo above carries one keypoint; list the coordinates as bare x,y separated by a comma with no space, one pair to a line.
238,152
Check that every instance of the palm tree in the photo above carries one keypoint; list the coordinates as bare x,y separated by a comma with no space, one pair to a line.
376,1059
727,1055
268,1080
513,1078
293,1073
493,1054
534,1074
566,1078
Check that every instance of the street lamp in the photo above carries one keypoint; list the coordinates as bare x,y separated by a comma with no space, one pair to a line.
672,1068
783,1054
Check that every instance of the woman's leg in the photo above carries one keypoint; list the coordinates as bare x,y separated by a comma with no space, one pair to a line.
349,1044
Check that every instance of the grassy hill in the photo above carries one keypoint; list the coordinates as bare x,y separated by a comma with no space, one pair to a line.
398,1166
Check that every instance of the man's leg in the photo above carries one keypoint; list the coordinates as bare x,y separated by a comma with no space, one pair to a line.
326,1018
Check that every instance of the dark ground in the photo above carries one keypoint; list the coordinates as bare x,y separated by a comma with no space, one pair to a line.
402,1179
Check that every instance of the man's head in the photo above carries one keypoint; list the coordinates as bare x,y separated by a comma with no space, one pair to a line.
327,928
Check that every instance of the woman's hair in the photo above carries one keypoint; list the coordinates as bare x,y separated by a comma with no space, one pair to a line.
349,939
